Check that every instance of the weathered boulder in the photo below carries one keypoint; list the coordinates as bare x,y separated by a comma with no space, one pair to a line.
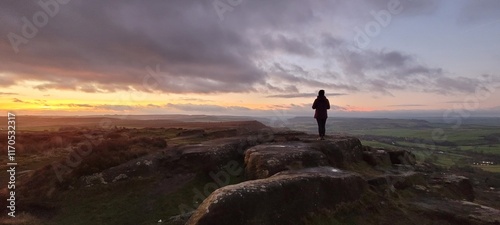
340,150
179,219
203,157
399,181
265,160
284,198
457,212
283,134
376,157
454,186
404,157
211,155
141,167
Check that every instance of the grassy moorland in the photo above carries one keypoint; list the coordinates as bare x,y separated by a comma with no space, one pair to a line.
44,142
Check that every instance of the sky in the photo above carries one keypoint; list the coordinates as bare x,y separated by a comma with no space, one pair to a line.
373,58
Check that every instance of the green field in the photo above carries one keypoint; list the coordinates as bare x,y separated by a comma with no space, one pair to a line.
494,168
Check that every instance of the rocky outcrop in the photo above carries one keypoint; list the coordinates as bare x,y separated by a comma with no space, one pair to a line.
340,150
284,198
401,180
203,157
211,155
454,186
179,219
291,178
458,212
283,134
401,157
265,160
376,157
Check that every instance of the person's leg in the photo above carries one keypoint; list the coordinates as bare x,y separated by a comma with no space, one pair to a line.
323,125
319,126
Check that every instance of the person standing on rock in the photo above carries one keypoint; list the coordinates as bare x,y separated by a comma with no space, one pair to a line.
321,105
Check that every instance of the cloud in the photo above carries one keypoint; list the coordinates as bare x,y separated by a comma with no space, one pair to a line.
17,100
4,80
288,45
8,93
406,105
296,75
297,95
386,71
114,107
410,7
36,101
453,102
153,106
363,63
302,95
106,46
195,100
286,88
181,46
206,108
284,110
460,84
481,11
95,46
77,105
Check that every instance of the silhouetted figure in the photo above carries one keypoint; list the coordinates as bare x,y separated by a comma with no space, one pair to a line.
321,105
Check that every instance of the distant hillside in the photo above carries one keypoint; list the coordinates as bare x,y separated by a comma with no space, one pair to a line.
365,123
139,121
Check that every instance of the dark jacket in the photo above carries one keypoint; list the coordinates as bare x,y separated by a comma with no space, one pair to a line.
321,104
